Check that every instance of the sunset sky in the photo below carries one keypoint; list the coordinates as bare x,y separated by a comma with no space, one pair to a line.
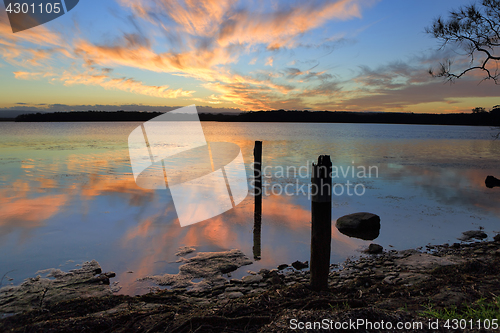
350,55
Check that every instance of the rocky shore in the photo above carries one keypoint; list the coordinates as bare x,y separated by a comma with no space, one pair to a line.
392,286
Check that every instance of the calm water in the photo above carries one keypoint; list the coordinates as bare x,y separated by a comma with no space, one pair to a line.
67,194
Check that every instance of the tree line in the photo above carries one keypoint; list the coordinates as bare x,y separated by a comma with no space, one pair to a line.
476,118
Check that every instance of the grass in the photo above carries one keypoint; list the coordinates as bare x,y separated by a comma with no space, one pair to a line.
481,309
338,307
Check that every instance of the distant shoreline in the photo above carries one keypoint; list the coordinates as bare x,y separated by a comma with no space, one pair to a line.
467,119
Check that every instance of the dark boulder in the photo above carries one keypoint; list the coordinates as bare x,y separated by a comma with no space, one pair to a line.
491,182
374,249
364,226
300,265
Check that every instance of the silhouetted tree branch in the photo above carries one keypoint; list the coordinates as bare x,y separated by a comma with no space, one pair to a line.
475,29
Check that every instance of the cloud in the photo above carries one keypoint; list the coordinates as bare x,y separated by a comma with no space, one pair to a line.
209,36
400,85
17,49
21,75
204,40
39,35
126,84
292,73
410,95
228,22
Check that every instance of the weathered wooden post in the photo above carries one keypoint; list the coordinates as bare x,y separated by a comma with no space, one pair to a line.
257,153
321,231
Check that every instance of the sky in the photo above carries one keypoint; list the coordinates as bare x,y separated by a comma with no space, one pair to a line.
233,56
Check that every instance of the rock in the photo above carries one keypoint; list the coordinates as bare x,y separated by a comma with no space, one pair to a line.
257,291
491,182
205,265
472,234
407,252
412,278
497,238
374,249
449,298
362,265
115,287
391,279
35,293
252,279
422,261
359,225
282,267
227,268
184,250
232,289
234,294
276,279
300,265
217,292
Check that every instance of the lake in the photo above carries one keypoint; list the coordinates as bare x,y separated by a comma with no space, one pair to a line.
68,195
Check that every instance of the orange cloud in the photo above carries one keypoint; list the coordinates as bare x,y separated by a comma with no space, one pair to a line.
280,28
23,75
38,35
138,53
206,37
127,84
227,31
229,24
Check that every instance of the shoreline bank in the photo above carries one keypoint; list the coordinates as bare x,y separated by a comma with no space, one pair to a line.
395,285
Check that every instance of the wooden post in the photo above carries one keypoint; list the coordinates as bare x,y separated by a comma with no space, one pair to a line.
257,153
321,231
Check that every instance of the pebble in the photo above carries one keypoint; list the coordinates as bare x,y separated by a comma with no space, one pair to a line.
234,294
252,279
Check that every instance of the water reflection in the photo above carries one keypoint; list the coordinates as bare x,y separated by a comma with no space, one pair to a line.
82,203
